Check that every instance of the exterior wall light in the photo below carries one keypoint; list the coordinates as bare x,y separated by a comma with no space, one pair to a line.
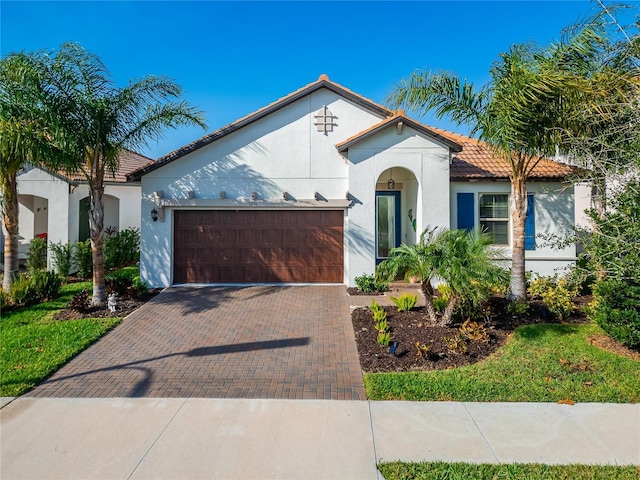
254,195
154,215
391,183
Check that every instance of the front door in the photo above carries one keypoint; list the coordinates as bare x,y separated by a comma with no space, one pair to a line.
387,223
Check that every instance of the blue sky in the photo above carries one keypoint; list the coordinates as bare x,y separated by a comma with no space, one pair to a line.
232,58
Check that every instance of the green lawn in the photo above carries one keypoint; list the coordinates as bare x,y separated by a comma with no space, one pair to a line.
540,363
464,471
33,345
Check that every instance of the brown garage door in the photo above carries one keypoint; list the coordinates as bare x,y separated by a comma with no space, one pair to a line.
248,246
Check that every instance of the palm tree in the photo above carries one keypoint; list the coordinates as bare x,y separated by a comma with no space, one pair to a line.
519,113
101,119
28,135
461,259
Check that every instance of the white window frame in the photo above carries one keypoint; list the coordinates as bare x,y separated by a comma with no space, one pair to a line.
506,219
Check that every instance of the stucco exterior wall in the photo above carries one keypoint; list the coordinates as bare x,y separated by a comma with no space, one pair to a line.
121,205
43,190
425,189
283,152
554,205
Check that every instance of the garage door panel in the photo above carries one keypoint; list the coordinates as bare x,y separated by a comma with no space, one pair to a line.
258,246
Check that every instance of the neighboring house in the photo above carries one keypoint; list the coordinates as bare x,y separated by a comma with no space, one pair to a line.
317,188
56,206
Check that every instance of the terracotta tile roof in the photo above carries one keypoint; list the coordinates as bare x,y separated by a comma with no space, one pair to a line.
130,161
322,82
476,161
398,117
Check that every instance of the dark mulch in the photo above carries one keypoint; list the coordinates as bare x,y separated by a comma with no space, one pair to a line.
407,328
126,305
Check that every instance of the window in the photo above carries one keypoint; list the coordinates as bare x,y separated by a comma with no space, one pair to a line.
494,216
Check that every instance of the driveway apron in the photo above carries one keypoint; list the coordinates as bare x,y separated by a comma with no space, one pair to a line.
293,342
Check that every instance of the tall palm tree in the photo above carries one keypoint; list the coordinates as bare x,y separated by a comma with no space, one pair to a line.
519,113
28,135
101,119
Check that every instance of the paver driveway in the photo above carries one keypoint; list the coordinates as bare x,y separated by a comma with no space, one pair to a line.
223,342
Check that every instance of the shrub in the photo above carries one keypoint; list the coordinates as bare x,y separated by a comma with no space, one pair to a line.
379,315
119,281
368,283
422,349
80,301
518,307
474,331
405,302
62,254
616,310
23,291
83,259
139,287
557,294
382,326
375,307
384,339
46,284
37,254
121,248
455,343
3,299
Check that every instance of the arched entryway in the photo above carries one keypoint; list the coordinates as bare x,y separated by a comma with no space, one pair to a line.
34,221
396,210
111,215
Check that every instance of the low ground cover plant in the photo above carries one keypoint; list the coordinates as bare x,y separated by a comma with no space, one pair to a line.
369,284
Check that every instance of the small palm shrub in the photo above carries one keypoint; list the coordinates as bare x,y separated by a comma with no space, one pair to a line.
368,284
463,260
405,302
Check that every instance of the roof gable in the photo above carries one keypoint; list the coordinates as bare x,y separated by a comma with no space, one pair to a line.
399,119
322,82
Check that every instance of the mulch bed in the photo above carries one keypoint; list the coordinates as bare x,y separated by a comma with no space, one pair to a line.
126,305
407,328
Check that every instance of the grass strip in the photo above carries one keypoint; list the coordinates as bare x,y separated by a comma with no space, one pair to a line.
516,471
33,345
539,363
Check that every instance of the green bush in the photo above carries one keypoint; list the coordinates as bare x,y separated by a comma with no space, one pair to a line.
83,259
46,284
557,294
119,281
23,291
140,287
121,248
368,283
405,302
616,309
518,307
3,299
37,254
62,255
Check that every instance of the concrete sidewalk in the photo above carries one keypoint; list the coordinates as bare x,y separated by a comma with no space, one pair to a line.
123,438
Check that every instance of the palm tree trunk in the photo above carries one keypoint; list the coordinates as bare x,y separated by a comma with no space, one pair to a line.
96,232
10,213
448,312
518,217
427,289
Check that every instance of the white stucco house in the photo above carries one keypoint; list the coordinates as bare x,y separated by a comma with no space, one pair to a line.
56,205
318,186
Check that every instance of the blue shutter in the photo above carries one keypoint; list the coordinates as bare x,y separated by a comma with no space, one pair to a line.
530,225
466,211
